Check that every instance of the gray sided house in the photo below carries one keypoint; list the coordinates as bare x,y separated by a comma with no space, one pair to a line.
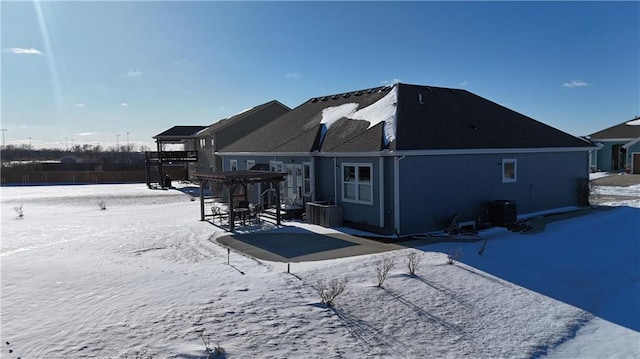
618,148
402,159
230,129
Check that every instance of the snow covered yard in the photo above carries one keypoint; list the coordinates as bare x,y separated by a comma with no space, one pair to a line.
145,276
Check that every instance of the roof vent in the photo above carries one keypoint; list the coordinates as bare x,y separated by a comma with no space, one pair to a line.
314,100
324,98
359,93
371,91
335,97
346,95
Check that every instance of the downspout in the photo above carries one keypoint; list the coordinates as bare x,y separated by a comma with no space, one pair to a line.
312,175
381,190
335,181
396,192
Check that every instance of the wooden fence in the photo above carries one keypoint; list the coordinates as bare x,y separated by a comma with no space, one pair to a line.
10,176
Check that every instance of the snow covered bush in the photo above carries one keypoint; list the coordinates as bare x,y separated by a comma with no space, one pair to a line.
216,352
19,211
454,256
382,269
413,261
328,291
102,205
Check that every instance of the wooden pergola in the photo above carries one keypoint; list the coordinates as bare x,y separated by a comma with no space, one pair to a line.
232,179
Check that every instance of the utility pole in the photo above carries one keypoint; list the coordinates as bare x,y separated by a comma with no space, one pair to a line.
118,143
128,148
29,142
3,131
66,146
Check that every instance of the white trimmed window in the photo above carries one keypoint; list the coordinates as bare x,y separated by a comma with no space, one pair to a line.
509,170
233,165
306,178
203,143
356,183
250,163
276,166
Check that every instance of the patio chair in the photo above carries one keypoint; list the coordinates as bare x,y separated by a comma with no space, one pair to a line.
254,213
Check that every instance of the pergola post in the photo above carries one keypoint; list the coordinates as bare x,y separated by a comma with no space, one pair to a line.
202,182
277,185
232,217
160,165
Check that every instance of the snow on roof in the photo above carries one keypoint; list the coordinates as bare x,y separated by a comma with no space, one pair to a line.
383,110
635,122
334,113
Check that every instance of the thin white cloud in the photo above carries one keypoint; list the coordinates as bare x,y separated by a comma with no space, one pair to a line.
575,83
124,104
86,134
464,83
293,75
23,51
80,105
134,73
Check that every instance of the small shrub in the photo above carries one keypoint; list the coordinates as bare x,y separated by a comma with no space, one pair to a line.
382,269
102,205
454,256
216,352
328,291
413,261
19,210
138,354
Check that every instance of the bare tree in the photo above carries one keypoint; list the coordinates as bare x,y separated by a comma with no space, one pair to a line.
19,210
382,269
413,261
328,291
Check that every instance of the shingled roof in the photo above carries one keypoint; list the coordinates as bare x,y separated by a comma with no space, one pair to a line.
627,130
401,117
179,132
239,116
297,131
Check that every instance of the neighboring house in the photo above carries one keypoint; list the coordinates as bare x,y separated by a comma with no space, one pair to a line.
230,129
618,148
402,159
173,163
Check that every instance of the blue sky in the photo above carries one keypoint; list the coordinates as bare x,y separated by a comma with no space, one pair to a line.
90,71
